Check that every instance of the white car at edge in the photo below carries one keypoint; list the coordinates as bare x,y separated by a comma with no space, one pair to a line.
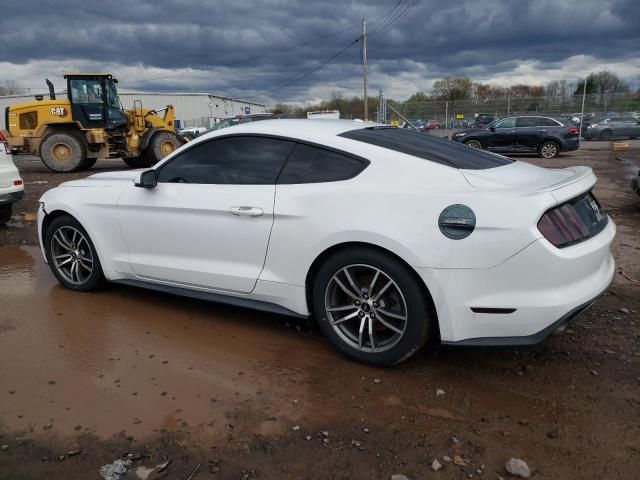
11,185
389,237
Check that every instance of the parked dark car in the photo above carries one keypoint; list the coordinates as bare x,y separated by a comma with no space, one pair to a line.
483,119
607,128
546,136
635,183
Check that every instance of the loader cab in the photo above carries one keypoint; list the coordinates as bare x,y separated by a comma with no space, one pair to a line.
94,101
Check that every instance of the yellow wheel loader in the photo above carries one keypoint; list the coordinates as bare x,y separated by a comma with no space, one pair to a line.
70,134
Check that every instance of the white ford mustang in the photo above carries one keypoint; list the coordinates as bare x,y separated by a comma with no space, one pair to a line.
389,237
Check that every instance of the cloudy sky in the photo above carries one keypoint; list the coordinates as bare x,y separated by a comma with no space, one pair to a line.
267,50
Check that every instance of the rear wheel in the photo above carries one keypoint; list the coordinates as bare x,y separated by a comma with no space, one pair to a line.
549,149
71,255
65,152
5,213
371,307
161,145
473,144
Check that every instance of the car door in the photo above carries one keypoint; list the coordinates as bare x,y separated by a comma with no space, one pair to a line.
629,126
530,132
503,135
207,222
635,128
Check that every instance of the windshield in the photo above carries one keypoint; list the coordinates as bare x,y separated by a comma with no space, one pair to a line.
224,124
112,94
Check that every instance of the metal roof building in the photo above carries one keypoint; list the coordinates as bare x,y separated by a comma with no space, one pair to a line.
192,109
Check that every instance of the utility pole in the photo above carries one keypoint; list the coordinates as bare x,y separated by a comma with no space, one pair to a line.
364,68
584,96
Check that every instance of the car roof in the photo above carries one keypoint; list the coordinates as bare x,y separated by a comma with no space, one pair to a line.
294,128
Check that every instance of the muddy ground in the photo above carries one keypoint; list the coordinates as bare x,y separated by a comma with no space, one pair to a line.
89,378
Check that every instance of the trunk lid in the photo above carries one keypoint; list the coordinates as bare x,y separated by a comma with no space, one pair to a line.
527,179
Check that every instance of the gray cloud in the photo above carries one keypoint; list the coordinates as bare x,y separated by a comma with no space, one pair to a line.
185,44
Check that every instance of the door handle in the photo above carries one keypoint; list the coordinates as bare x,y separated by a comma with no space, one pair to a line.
246,211
543,130
512,132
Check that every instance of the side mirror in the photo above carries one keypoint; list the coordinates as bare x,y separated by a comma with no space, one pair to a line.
146,179
493,129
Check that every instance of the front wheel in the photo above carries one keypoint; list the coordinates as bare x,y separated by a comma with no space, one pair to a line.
549,150
72,256
473,144
161,145
606,135
371,307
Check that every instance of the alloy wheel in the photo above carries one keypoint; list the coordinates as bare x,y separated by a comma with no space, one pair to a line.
549,150
71,255
366,308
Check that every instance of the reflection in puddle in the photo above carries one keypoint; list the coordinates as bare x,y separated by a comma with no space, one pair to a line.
134,360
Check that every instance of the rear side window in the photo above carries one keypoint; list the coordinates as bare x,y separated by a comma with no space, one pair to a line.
229,160
428,147
529,122
309,164
549,122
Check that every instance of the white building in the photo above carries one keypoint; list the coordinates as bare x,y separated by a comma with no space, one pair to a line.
192,109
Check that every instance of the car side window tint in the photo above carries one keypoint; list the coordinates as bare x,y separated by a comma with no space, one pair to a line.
529,121
309,164
230,160
549,122
506,123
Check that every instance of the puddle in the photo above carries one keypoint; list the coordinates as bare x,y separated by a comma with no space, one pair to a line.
139,361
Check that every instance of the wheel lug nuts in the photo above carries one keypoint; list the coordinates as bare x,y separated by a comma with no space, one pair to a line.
361,314
365,296
356,303
372,315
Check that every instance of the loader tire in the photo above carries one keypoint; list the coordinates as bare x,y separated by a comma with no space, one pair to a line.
137,162
161,145
65,152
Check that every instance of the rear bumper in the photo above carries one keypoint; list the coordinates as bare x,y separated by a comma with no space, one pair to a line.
524,299
527,339
569,145
11,197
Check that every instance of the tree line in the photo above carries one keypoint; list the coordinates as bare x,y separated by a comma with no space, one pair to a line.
453,89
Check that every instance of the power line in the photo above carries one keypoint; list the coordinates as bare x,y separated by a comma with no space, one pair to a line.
397,16
327,61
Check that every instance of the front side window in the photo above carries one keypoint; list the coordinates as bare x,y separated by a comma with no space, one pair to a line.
230,160
309,164
86,90
505,123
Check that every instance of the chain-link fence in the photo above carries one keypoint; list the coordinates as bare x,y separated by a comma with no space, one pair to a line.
443,116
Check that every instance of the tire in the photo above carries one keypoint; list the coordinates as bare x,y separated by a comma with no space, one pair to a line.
606,135
5,213
401,304
137,162
549,149
66,244
161,145
65,152
473,143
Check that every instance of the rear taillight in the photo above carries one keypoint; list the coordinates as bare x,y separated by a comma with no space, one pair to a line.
17,183
572,130
573,222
